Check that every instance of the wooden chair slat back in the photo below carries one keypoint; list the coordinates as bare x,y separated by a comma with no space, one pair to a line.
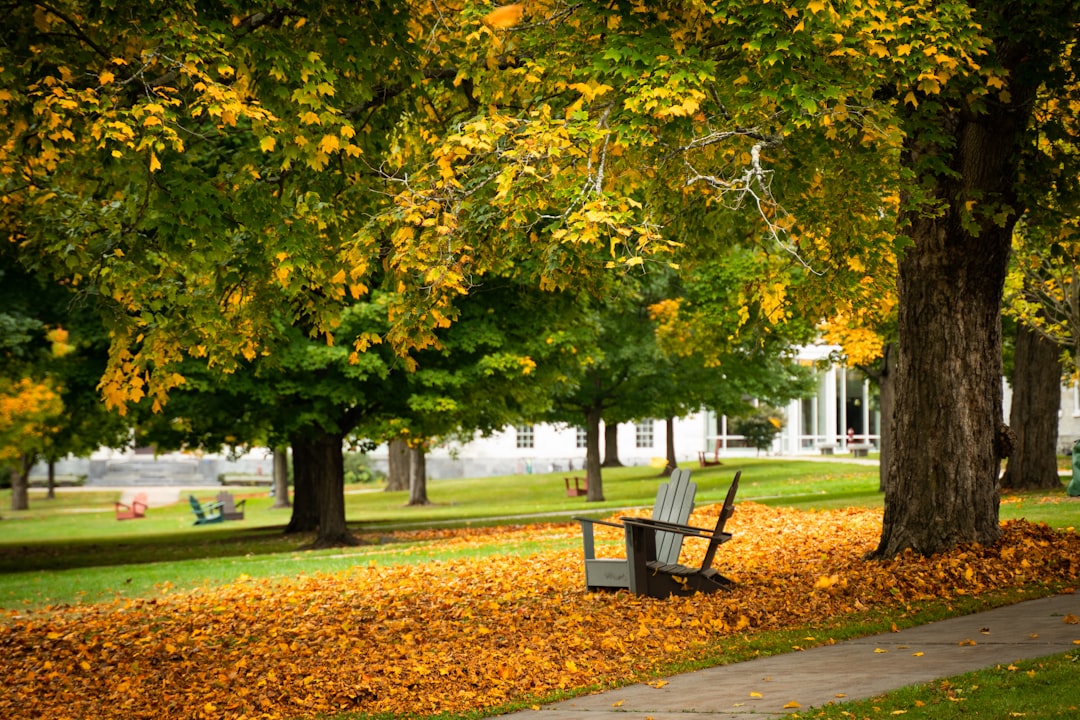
674,503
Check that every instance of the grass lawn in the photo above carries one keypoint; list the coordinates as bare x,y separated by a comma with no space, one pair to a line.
1037,689
45,551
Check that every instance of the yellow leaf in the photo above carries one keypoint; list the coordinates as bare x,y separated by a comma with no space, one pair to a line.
755,694
105,77
792,706
1072,620
916,654
329,143
824,582
505,16
815,6
967,643
571,666
267,143
155,164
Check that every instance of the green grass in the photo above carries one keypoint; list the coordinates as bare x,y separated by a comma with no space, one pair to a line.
1029,689
72,549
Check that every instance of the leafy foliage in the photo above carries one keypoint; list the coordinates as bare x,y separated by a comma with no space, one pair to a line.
465,634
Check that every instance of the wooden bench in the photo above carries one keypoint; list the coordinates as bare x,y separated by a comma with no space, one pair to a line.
655,576
578,490
206,513
231,509
859,450
674,503
137,508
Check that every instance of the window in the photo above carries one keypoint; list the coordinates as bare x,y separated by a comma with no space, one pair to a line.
526,438
582,440
1076,399
643,434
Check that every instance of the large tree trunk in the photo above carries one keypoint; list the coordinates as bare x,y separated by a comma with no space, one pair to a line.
281,478
328,475
397,472
947,443
20,484
1033,416
592,456
669,447
305,509
418,477
611,445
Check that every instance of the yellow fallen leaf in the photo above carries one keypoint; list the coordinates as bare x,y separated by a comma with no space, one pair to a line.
617,704
792,706
657,683
1072,620
879,650
916,654
899,712
968,643
824,582
755,694
841,695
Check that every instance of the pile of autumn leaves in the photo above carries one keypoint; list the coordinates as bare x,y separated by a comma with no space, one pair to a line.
474,633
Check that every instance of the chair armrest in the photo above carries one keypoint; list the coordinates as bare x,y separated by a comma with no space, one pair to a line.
213,506
587,541
240,504
591,521
687,530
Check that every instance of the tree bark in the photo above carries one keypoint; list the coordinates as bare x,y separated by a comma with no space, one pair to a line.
397,474
592,456
281,478
943,473
50,494
418,477
20,483
886,380
305,509
611,446
669,447
328,476
1033,416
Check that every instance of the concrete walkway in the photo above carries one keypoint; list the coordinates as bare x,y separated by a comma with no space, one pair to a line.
852,670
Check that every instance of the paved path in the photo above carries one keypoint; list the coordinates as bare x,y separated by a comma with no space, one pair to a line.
851,670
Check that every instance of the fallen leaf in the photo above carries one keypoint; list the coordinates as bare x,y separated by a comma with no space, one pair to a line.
658,683
756,695
916,654
1072,620
967,643
879,650
617,704
792,706
841,695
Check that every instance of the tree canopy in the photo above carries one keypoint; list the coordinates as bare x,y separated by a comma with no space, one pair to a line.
221,177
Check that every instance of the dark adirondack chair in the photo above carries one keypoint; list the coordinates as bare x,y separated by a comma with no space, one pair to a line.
674,503
137,508
656,576
231,509
206,513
